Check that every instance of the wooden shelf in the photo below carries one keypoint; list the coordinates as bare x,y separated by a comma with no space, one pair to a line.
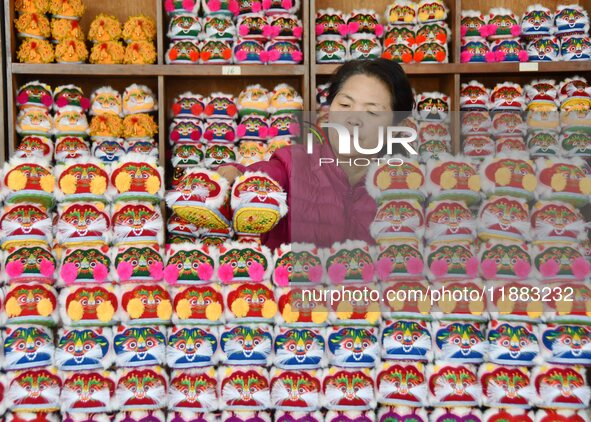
528,67
410,69
158,70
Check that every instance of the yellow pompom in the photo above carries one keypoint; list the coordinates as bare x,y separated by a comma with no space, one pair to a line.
152,185
383,180
216,177
439,14
105,311
448,180
12,307
98,185
240,307
44,307
476,307
529,182
424,306
319,315
344,310
289,315
164,310
75,310
474,183
585,185
47,183
396,304
68,184
505,306
503,176
135,308
413,180
183,309
394,17
423,16
16,180
563,307
535,309
269,309
213,311
558,182
408,18
373,313
446,306
123,182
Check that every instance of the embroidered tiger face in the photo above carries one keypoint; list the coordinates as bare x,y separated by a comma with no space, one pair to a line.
27,347
139,346
295,389
402,382
348,389
193,391
190,347
461,342
246,344
141,387
297,347
245,389
407,338
353,347
81,349
512,343
568,343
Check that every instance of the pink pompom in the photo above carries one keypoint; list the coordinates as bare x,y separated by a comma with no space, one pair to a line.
367,272
267,31
266,4
61,101
171,274
241,130
85,103
188,5
491,29
205,271
463,30
581,268
522,268
384,268
169,6
549,268
274,55
336,273
157,271
315,273
263,132
214,5
298,31
472,267
234,7
272,132
297,56
319,29
22,98
489,269
195,135
46,100
225,273
353,27
379,30
16,268
490,57
415,265
100,272
264,57
287,4
46,268
124,271
500,56
256,7
523,56
515,30
243,30
175,135
465,57
294,129
281,276
483,30
343,29
439,267
241,55
256,271
68,273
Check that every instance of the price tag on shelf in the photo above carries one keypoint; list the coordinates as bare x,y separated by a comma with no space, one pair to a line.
231,70
528,67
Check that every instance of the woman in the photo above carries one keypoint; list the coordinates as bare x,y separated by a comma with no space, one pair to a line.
326,192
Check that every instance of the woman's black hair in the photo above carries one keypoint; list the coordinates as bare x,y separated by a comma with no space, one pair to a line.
387,71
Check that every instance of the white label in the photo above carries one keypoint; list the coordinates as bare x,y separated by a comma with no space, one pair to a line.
231,70
528,67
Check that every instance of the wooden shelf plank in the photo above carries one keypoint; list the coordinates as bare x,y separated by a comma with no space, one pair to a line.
411,69
159,70
531,67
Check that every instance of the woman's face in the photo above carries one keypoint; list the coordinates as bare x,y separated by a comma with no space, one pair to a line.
363,101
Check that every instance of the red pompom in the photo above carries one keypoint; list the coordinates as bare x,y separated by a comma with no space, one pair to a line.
240,55
256,7
234,7
319,29
230,136
523,56
176,109
581,268
463,30
287,4
22,98
465,57
188,5
294,128
243,30
522,268
379,30
231,110
84,103
195,135
490,57
61,101
297,56
214,5
367,273
169,6
549,268
415,265
194,56
384,268
353,27
175,135
196,109
298,31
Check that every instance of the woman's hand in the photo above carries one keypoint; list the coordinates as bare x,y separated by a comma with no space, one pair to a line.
230,173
